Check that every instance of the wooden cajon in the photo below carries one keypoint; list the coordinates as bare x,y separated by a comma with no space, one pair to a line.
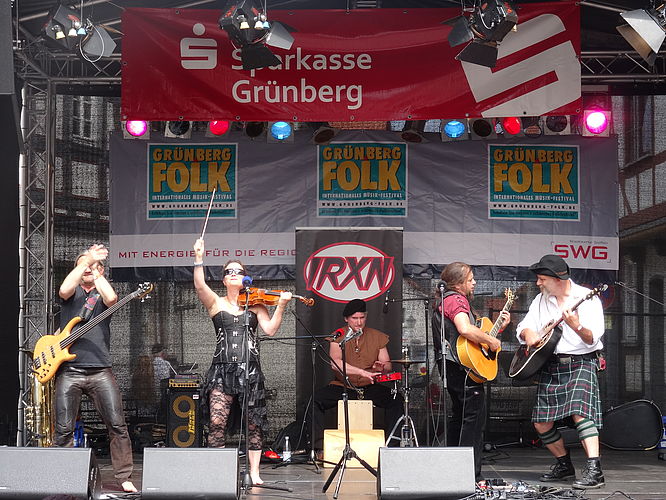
364,440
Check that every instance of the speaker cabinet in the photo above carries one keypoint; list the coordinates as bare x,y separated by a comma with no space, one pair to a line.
183,417
206,473
40,472
443,473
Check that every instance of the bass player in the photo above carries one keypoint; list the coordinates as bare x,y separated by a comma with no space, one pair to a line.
467,395
568,384
86,293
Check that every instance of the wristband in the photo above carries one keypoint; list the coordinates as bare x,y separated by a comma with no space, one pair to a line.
580,328
198,264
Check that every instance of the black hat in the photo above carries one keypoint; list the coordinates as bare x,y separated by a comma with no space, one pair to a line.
157,348
353,307
551,265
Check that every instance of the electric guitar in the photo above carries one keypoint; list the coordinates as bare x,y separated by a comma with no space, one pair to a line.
481,361
527,361
53,350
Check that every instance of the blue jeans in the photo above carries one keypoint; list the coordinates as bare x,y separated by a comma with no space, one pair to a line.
101,386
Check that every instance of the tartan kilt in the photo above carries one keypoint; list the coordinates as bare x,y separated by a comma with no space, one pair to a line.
567,389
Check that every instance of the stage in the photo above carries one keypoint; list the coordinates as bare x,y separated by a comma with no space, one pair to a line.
639,475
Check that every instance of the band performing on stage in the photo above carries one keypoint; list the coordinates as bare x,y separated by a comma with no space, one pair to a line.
560,343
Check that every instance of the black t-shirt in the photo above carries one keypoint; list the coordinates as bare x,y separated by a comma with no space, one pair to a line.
92,349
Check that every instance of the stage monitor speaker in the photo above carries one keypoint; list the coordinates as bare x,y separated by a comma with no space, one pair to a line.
443,473
206,473
183,415
40,472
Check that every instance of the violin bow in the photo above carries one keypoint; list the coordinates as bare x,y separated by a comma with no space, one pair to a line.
210,206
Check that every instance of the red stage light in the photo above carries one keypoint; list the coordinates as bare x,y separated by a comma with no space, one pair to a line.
511,125
596,121
218,127
136,128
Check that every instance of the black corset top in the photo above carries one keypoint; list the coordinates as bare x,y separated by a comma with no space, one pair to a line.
230,337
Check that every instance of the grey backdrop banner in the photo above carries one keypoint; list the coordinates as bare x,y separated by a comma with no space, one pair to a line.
484,202
351,254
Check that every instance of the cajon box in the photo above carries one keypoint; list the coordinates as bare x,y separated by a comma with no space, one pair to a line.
365,443
360,415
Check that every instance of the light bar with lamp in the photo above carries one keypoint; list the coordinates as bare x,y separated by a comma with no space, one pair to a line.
645,30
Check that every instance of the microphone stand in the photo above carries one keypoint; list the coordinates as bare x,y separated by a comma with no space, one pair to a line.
442,365
247,479
348,453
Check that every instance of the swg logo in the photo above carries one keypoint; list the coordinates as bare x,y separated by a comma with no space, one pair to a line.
594,252
345,271
560,60
198,53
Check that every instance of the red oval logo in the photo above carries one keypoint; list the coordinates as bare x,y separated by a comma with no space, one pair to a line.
344,271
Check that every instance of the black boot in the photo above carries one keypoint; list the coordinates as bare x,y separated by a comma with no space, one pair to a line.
593,476
562,469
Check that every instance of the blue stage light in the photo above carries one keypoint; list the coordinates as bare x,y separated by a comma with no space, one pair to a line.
280,130
454,129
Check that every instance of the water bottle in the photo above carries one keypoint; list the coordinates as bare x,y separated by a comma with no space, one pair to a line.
286,452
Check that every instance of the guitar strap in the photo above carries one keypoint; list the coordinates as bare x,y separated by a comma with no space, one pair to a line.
89,305
451,332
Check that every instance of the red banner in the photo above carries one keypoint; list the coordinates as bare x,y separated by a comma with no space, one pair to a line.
365,64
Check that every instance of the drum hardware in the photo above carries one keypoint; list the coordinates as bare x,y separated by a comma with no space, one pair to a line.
407,436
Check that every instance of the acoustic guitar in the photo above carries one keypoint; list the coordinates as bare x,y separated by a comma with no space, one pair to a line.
481,361
527,361
53,350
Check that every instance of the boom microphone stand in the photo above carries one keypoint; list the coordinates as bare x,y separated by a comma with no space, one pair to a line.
348,453
247,479
442,366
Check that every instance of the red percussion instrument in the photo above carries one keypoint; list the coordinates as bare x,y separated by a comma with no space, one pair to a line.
388,377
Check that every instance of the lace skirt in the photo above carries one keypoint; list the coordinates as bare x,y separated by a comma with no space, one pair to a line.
230,379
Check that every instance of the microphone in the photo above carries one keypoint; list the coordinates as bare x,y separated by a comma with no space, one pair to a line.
442,286
337,333
247,281
351,334
386,302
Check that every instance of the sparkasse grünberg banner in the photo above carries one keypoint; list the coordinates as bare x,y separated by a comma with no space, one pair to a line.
362,64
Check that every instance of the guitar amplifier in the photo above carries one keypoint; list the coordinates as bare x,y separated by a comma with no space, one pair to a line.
184,428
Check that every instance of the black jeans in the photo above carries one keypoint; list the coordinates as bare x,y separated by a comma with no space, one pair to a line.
468,412
101,386
328,397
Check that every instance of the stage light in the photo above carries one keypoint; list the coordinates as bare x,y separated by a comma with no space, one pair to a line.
645,31
61,20
482,128
454,130
413,131
557,125
136,129
596,123
323,132
254,129
218,127
532,126
280,132
180,129
59,33
486,27
511,125
252,41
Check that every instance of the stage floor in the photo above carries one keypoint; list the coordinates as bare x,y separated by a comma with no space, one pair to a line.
638,475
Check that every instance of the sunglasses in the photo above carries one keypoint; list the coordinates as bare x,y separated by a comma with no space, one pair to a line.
234,272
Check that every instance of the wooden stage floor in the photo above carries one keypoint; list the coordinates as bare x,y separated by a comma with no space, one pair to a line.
638,475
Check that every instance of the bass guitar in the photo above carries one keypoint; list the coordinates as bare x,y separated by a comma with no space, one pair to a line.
53,350
527,361
481,361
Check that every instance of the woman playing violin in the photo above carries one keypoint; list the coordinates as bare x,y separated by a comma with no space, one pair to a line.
225,378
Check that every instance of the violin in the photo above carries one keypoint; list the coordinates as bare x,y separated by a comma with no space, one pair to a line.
267,297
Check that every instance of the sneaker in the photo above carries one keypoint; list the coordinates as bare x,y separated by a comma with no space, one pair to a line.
593,477
562,469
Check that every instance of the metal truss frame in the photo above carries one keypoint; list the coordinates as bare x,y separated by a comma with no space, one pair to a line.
37,168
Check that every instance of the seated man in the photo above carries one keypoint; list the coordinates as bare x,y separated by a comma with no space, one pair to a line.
366,355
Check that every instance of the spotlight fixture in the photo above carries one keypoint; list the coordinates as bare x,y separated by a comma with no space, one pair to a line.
485,28
217,127
60,22
413,131
253,38
254,129
645,31
280,132
180,129
323,132
557,125
136,129
453,130
511,125
596,123
482,128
